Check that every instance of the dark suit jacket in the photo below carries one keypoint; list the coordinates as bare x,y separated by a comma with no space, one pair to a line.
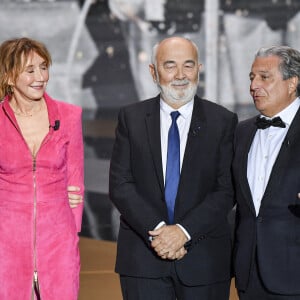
204,198
275,233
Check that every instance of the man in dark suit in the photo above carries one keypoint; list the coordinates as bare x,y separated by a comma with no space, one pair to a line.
267,180
170,179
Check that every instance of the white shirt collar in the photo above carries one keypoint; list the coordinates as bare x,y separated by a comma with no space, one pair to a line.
287,115
185,110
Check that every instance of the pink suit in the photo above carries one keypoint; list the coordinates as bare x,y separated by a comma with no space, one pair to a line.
38,229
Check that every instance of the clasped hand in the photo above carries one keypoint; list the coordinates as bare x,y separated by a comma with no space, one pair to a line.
168,242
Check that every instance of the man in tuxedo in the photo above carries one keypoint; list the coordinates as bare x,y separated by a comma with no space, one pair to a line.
266,170
170,178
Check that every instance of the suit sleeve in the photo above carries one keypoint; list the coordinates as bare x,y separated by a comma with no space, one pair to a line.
212,212
75,163
136,210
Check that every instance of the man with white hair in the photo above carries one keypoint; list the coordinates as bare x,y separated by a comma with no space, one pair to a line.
170,179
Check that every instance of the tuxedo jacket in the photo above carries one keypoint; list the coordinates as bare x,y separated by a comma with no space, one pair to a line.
274,235
204,197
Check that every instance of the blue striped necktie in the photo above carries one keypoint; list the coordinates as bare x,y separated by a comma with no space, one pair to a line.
173,166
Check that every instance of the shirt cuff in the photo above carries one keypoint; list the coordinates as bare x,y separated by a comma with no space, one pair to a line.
159,225
184,231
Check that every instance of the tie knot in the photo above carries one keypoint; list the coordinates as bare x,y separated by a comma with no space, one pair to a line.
263,123
174,115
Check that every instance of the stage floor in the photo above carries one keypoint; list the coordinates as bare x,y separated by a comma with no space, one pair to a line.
98,281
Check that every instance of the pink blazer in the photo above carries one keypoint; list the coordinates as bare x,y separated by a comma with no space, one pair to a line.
38,228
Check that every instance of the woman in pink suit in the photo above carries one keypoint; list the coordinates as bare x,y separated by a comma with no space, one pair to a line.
41,154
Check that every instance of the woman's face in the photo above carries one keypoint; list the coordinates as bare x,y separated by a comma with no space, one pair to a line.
31,83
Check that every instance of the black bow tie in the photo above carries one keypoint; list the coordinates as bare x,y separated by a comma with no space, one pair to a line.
263,123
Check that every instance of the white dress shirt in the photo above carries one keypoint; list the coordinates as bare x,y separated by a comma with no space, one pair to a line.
183,123
264,151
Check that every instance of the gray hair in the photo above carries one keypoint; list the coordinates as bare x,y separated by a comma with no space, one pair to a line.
155,47
290,61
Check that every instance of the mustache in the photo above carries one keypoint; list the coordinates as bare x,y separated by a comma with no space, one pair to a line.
180,82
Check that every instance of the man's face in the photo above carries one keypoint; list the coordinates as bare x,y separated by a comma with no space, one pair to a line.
176,71
270,93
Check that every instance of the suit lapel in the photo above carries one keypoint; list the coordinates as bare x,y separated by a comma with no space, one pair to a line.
247,137
283,155
196,132
195,143
152,119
